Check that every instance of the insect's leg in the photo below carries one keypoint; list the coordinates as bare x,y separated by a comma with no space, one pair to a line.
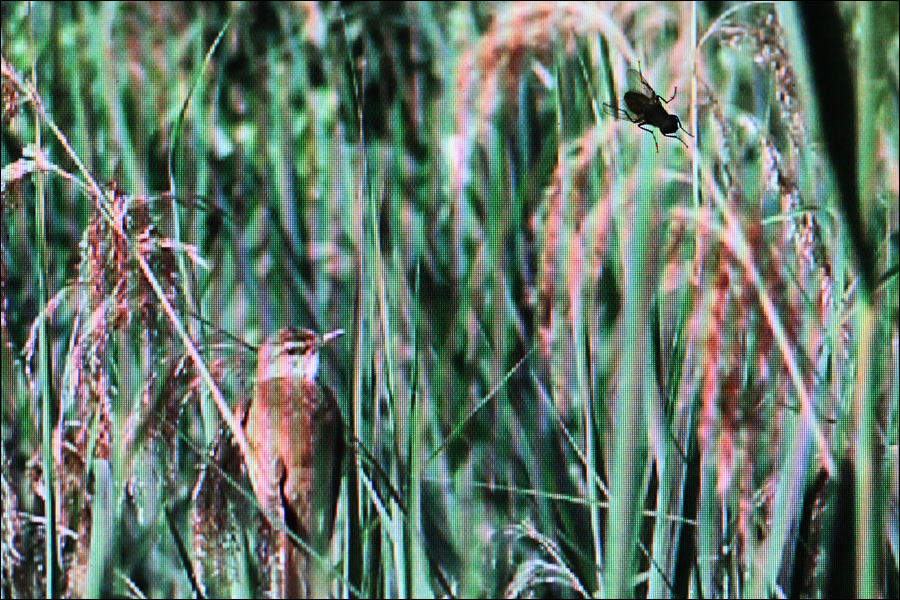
616,113
650,131
670,97
672,135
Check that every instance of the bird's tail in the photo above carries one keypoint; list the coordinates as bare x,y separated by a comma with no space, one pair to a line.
293,569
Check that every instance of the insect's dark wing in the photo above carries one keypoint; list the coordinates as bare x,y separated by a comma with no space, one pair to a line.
637,83
616,113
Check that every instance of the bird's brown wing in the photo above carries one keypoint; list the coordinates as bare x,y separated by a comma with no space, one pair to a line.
340,449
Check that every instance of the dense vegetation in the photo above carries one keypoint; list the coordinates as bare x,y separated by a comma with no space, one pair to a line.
579,360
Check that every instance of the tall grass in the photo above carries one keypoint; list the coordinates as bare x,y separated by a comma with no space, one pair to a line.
575,365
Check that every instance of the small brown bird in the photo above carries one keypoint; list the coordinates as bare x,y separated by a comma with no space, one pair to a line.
294,430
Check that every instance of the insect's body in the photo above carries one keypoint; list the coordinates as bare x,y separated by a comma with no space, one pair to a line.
643,106
651,112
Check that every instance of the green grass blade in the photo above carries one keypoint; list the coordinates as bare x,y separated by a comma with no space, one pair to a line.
637,228
103,527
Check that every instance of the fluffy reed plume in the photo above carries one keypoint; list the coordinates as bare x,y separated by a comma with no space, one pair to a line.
151,424
521,35
152,420
767,46
7,206
489,72
14,96
113,293
164,399
21,538
315,24
571,233
491,69
890,166
13,173
128,276
738,363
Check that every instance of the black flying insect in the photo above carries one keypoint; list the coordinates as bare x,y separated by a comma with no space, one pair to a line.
645,107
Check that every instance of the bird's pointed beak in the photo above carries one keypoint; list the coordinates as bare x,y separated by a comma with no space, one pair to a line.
331,335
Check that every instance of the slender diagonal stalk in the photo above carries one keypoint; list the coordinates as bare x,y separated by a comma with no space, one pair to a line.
51,560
